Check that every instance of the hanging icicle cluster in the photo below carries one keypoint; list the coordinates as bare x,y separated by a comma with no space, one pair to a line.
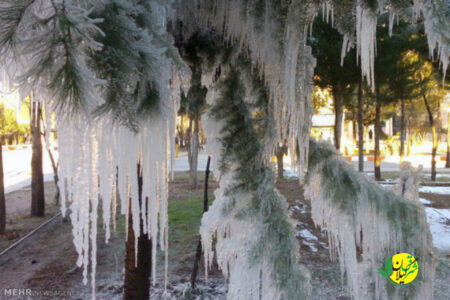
273,34
366,223
256,246
106,69
360,17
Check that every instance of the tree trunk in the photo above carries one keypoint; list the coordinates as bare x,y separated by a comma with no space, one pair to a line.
280,151
447,163
181,135
360,129
339,114
2,194
433,132
195,150
198,253
402,130
189,146
394,121
438,121
137,276
37,176
377,142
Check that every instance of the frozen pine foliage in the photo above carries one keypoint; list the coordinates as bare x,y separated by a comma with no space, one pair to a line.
366,224
248,228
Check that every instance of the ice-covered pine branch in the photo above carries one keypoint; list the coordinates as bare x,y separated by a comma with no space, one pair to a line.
366,223
256,247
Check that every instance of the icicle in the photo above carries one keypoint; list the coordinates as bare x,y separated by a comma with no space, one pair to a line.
366,28
392,16
366,224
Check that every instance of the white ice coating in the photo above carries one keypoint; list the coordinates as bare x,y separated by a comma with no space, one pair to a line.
232,248
230,239
92,151
361,237
408,182
278,51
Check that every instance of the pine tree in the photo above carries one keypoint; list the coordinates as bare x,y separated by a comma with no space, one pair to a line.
331,72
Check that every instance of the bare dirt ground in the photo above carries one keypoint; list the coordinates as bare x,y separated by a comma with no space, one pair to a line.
18,208
47,263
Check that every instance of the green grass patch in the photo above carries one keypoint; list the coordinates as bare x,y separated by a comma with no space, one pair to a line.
184,219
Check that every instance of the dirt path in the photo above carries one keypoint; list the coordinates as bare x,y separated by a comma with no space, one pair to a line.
18,220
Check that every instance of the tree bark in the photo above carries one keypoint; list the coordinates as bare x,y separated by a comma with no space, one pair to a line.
195,143
360,129
280,152
37,175
394,121
338,113
2,194
433,132
181,134
402,130
137,276
198,253
189,146
377,142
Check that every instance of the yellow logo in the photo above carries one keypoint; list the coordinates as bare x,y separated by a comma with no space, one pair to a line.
401,269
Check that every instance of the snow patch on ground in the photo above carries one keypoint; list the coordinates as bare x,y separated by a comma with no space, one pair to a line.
438,219
442,190
306,234
424,201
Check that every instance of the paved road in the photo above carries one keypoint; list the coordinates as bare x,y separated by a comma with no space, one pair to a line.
389,164
17,166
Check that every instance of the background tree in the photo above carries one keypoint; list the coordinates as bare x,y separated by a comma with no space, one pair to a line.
193,103
198,52
281,150
430,91
37,173
10,130
330,73
398,72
